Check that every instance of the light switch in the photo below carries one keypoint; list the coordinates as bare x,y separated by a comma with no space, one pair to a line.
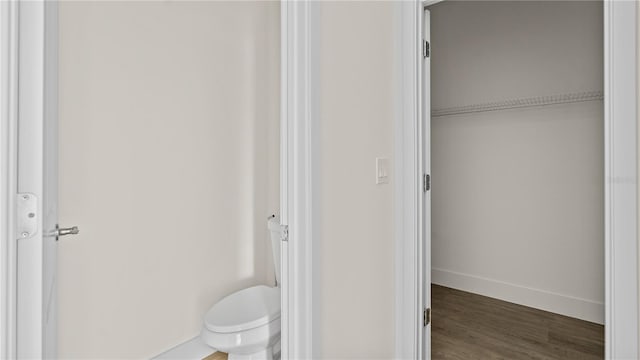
382,170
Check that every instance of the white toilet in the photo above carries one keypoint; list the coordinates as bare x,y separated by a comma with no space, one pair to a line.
246,324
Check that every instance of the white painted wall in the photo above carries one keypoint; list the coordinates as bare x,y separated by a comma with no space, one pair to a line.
504,49
355,215
168,164
517,195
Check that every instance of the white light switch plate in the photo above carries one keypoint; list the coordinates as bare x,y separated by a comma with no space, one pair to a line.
382,170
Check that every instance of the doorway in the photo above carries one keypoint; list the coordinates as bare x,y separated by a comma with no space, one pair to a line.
480,172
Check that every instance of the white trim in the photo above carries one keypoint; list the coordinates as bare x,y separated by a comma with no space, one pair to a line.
424,167
540,299
194,349
32,109
298,21
407,308
8,173
620,109
30,262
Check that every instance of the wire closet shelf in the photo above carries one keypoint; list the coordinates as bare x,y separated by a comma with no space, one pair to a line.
520,103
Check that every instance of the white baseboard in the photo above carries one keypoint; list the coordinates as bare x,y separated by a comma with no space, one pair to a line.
194,349
544,300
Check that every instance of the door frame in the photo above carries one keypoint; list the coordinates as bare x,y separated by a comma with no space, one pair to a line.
28,112
409,150
8,171
621,197
621,179
298,30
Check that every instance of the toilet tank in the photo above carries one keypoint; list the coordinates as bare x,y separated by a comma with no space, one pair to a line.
274,230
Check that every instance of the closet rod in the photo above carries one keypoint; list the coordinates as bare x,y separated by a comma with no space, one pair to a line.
520,103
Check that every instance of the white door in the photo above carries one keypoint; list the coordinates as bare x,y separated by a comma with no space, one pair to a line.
426,193
36,198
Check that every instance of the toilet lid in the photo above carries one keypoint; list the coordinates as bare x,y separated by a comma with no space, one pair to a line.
244,310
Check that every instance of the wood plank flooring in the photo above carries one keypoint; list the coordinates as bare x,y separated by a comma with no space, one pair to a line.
217,356
469,326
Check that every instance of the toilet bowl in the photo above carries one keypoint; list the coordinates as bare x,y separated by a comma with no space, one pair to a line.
246,324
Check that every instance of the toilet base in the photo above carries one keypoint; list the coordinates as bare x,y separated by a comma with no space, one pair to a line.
266,354
270,353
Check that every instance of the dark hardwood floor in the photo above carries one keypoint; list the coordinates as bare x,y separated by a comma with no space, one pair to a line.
468,326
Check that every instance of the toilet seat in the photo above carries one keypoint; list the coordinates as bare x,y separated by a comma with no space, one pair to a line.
246,309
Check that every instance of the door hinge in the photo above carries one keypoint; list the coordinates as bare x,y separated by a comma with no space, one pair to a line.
426,182
427,316
27,215
284,232
426,51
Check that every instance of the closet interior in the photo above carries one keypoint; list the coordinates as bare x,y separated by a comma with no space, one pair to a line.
517,170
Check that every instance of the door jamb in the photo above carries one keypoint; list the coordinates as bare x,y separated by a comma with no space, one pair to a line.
407,189
299,23
621,179
621,201
27,332
8,175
